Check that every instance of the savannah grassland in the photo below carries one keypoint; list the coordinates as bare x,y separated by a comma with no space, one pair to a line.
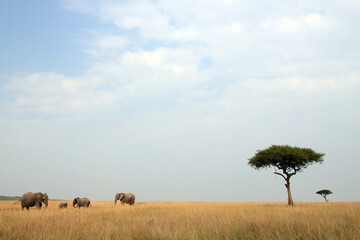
182,220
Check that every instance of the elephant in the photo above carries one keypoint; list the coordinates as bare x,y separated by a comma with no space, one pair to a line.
81,202
33,199
62,205
128,198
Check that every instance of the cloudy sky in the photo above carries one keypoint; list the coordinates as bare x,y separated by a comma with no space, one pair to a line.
169,99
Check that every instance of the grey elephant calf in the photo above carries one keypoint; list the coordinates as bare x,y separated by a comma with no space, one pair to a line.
62,205
33,199
81,202
128,198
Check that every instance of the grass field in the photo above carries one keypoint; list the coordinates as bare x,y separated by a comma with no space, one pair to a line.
182,220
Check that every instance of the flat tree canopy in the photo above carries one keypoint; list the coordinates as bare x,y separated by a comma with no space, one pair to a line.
286,160
324,193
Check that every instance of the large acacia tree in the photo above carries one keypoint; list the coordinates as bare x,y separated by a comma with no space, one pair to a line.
287,161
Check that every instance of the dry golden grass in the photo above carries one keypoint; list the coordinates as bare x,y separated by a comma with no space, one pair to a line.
182,220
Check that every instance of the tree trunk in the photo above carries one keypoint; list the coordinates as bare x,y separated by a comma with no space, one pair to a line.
287,185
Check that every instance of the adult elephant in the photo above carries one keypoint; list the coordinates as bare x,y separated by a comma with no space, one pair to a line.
81,202
128,198
33,199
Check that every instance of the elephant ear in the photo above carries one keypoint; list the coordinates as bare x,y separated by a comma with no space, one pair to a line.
121,196
38,197
44,196
74,202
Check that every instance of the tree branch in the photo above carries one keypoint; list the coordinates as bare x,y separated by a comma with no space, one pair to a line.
280,175
290,174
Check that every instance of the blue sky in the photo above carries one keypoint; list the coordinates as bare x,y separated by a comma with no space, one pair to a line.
170,101
39,36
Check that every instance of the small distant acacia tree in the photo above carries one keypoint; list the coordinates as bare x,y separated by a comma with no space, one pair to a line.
286,160
324,193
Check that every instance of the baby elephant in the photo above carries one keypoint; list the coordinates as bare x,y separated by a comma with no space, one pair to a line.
62,205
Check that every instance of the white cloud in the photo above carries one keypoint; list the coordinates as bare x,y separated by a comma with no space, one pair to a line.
42,83
106,85
293,25
315,20
55,94
265,24
233,28
186,34
149,58
111,42
129,22
287,24
317,85
104,44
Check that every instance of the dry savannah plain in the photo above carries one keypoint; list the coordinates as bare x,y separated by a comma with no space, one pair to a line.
182,220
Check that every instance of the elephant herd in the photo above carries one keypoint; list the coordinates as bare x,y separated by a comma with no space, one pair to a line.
37,199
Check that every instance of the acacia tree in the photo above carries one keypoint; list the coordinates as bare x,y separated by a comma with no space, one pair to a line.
286,160
324,193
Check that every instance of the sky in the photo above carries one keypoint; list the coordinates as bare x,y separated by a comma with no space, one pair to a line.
169,99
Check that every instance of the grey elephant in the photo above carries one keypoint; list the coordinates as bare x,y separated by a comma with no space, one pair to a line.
81,202
33,199
62,205
128,198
